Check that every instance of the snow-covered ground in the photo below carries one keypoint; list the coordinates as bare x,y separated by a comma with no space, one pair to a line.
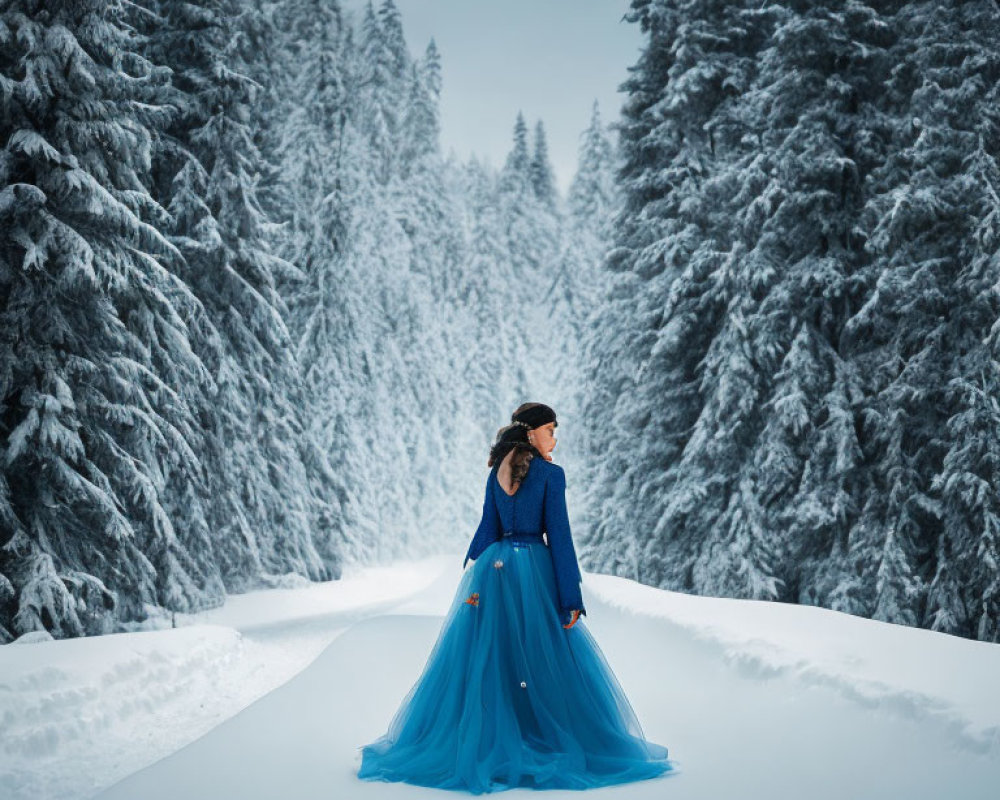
77,715
272,695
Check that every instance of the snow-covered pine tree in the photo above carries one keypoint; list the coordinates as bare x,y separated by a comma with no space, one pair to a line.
487,288
543,181
963,594
674,267
381,244
515,178
398,64
341,351
593,197
592,203
313,155
381,89
429,205
95,325
312,80
612,355
821,352
430,208
267,38
420,134
804,247
262,501
919,335
532,242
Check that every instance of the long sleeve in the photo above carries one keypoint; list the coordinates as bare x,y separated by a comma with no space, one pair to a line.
489,527
561,543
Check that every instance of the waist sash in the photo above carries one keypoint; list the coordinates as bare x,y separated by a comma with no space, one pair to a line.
514,536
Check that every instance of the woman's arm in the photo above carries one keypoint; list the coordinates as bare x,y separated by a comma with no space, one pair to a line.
489,527
561,543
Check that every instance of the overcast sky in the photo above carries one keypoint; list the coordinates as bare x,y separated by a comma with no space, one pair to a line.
548,58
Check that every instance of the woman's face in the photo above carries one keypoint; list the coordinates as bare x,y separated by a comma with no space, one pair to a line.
544,439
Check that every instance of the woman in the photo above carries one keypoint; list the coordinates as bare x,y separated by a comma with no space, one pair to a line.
516,692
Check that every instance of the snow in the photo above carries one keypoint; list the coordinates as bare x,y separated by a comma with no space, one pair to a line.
923,674
78,714
273,694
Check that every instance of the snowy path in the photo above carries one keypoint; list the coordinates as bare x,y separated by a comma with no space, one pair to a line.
77,715
738,729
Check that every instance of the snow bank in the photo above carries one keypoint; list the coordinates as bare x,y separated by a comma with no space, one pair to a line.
916,672
129,695
77,714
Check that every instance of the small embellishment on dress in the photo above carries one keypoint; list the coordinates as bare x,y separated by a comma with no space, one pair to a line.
498,563
473,599
524,685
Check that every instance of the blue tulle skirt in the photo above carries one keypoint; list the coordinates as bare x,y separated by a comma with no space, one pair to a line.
509,698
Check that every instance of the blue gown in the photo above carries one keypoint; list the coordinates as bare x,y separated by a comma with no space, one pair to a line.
508,697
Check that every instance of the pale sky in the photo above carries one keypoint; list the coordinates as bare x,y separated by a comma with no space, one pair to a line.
547,58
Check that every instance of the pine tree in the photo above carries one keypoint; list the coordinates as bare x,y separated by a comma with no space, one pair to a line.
964,592
386,64
798,320
673,347
916,335
314,157
593,193
421,128
96,325
592,203
484,288
532,246
816,517
262,506
542,180
391,25
516,174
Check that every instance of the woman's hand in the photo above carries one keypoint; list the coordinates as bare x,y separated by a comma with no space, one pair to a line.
572,622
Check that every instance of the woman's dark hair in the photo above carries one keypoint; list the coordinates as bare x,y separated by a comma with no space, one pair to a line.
515,437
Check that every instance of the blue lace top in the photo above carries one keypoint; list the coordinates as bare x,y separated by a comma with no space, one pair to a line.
538,505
